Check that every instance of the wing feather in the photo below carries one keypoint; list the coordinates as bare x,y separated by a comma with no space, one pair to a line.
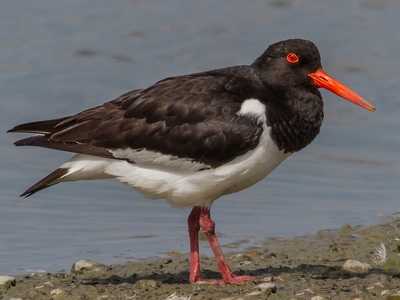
192,117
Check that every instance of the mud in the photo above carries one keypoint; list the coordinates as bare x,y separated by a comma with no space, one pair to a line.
306,267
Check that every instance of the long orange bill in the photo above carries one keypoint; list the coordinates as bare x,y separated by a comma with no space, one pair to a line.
322,80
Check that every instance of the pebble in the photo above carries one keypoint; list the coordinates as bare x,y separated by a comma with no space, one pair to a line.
266,286
255,293
305,291
48,283
83,265
6,282
355,266
56,292
174,296
268,279
146,284
376,285
317,298
262,291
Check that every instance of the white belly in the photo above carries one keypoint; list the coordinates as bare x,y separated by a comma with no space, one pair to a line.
182,187
206,186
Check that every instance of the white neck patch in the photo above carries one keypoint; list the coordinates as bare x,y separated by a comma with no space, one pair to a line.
253,107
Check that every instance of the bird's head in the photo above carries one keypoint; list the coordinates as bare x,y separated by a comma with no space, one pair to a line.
297,63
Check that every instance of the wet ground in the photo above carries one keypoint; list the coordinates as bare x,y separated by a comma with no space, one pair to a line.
297,268
59,57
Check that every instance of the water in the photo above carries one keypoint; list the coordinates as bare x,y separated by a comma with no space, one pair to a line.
58,57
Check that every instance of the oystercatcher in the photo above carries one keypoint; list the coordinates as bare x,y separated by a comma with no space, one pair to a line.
193,138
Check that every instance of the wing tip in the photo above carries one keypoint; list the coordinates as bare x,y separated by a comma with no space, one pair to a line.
30,141
42,127
26,194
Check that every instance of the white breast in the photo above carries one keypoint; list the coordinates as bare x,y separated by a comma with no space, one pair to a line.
180,187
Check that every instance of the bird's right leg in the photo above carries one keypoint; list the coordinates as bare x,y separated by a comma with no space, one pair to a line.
194,260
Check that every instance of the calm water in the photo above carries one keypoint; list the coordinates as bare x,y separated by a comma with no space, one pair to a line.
58,57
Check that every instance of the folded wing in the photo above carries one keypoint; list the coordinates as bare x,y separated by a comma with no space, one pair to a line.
192,118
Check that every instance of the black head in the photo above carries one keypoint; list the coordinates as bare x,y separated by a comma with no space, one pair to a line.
296,63
288,63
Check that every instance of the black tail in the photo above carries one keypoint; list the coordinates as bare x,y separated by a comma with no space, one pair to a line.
46,182
42,127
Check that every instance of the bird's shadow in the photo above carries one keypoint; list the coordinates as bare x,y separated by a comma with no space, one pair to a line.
322,272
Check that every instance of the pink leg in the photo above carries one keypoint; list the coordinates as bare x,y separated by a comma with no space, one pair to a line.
194,227
208,226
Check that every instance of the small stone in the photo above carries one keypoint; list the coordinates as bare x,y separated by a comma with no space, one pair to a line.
174,296
56,292
385,292
39,287
255,293
355,266
14,298
48,283
305,291
83,265
268,279
7,282
317,298
266,286
147,284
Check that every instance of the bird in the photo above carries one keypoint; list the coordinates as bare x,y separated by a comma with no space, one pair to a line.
193,138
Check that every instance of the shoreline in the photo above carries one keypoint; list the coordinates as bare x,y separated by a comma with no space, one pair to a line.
352,262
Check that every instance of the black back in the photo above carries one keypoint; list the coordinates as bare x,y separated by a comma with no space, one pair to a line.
196,116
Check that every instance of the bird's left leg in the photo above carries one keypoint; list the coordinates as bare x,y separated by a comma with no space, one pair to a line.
194,260
207,225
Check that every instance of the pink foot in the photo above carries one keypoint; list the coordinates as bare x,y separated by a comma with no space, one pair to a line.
200,218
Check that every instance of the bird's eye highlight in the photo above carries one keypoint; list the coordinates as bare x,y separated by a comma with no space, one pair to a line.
292,58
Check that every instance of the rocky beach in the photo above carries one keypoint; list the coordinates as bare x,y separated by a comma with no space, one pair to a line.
352,262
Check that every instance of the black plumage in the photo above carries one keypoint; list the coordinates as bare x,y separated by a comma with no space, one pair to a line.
196,116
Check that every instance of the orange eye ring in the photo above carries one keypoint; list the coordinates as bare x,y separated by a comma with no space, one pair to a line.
292,58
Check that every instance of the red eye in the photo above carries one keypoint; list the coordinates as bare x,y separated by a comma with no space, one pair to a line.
292,58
